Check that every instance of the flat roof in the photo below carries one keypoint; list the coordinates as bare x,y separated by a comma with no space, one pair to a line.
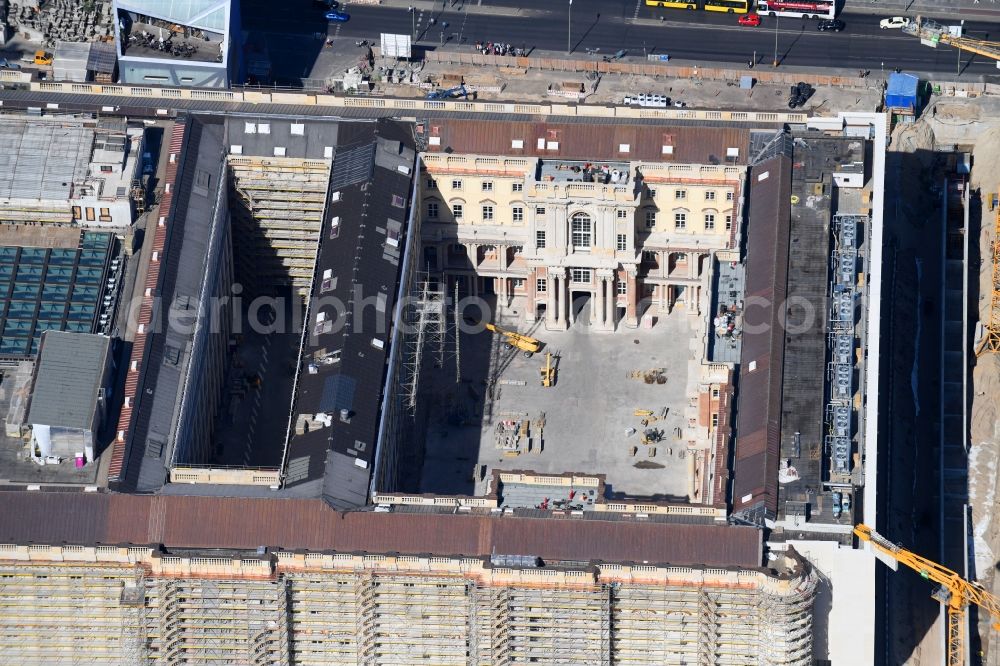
49,288
805,369
248,523
42,159
69,378
348,334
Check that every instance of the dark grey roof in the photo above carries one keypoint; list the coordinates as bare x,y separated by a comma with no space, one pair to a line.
804,375
362,244
69,379
184,272
259,136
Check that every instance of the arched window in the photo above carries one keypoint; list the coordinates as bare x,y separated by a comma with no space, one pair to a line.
517,212
680,218
709,218
581,231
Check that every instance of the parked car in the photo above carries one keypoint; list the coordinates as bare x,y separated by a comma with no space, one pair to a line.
751,19
845,504
893,22
834,25
339,17
7,64
836,505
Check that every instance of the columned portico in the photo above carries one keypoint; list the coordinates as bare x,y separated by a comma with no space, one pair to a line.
631,300
603,312
557,309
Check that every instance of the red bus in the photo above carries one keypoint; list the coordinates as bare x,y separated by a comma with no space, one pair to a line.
820,9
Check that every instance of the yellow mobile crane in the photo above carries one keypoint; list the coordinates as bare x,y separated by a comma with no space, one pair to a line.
512,340
933,33
955,592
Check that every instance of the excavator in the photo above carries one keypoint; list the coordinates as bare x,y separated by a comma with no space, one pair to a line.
954,592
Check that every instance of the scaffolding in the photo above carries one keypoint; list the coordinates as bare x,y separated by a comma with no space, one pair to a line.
339,610
134,638
427,320
278,205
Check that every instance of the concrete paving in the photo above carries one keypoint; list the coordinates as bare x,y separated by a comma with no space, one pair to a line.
588,414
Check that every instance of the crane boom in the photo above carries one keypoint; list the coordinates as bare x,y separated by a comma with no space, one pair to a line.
933,33
955,592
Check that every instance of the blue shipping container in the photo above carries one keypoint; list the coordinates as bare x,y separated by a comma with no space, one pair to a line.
902,91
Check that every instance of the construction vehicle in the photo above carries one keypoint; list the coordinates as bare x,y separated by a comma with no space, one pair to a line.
512,340
955,592
933,33
548,371
652,436
449,93
42,58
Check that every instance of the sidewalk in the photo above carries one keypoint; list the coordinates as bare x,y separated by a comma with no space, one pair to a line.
972,10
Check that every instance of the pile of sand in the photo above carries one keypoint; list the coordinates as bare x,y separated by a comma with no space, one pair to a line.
955,112
911,137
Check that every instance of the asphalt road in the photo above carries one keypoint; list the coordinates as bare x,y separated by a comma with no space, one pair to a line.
687,36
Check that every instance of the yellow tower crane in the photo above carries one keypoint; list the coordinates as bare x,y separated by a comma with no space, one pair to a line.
991,333
933,33
955,592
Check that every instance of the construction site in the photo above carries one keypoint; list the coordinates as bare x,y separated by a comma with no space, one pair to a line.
591,515
512,420
484,368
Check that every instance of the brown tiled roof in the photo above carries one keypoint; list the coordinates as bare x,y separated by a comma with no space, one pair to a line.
590,141
755,468
174,521
120,446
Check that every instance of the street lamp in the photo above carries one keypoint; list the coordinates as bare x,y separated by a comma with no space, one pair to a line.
775,40
958,68
569,28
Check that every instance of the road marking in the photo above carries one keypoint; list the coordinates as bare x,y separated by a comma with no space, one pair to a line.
638,6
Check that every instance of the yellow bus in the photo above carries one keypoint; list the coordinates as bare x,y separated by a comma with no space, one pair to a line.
730,6
675,4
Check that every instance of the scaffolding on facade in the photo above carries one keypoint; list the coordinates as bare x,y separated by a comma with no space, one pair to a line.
279,206
414,610
428,323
